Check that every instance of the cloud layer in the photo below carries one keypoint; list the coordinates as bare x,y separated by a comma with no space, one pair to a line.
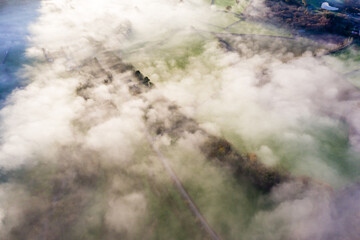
74,155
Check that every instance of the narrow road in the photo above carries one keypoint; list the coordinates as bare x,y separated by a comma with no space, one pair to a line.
184,194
